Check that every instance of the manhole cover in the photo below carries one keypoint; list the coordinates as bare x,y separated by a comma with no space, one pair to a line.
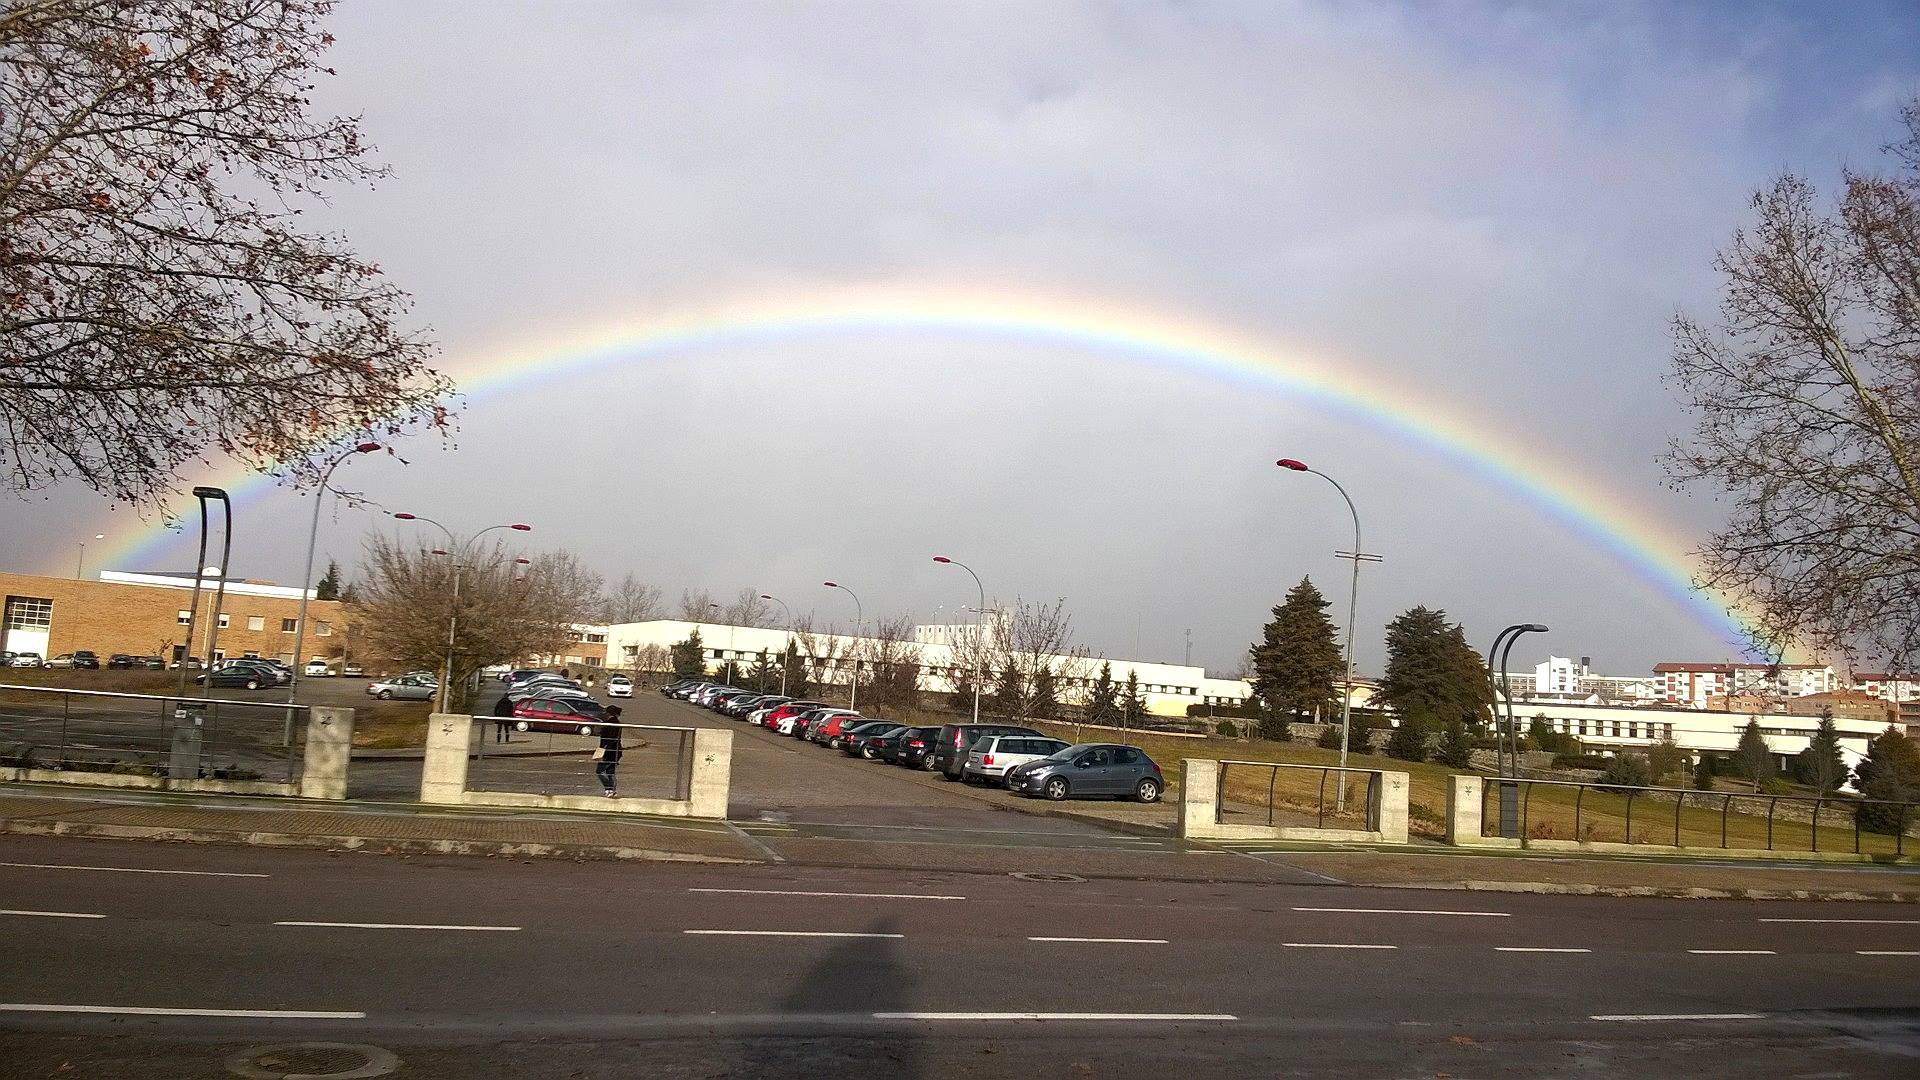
312,1061
1042,875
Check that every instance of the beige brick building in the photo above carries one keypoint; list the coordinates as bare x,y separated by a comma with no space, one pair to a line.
146,615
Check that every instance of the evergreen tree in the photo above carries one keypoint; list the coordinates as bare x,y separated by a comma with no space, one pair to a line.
1752,757
1297,666
1820,765
1664,759
1456,749
796,670
1044,702
1432,673
1133,703
690,657
1889,774
763,676
1541,736
1009,697
328,587
1409,740
1102,700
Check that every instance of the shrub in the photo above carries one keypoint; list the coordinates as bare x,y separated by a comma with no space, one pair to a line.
1330,739
1409,740
1665,758
1628,770
1275,728
1776,785
1227,728
1890,772
1703,774
1577,760
1456,749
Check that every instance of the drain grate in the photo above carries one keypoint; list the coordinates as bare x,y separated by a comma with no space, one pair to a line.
1043,875
313,1061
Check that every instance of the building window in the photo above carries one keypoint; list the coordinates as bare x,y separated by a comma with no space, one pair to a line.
596,639
288,626
323,629
225,618
256,622
250,654
183,618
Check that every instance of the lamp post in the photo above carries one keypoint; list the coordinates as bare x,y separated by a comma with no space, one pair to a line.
783,656
1357,556
723,614
199,571
80,567
859,622
459,553
1509,750
306,579
979,646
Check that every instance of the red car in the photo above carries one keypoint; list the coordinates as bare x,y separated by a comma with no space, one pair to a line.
566,716
835,728
772,720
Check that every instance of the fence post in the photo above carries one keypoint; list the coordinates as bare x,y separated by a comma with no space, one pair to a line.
1726,804
329,753
1816,823
1466,810
1201,784
1772,801
443,771
1629,815
1273,781
1387,807
711,765
1579,794
66,710
1679,805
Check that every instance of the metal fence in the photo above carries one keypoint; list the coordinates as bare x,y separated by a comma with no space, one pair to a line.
1276,794
655,762
180,738
1683,817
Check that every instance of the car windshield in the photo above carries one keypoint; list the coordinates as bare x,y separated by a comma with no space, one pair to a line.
1070,752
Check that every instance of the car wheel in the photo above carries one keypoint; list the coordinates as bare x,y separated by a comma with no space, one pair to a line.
867,752
928,763
1056,789
253,684
386,695
949,777
1007,782
1148,790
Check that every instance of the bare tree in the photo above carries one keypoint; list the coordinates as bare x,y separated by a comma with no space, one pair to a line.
748,609
630,601
891,683
150,315
696,605
1806,399
1030,661
405,602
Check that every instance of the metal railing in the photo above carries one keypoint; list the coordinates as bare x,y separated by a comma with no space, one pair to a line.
655,762
158,735
1274,788
1730,811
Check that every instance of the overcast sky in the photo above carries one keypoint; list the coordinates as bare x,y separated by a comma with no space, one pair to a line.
1498,206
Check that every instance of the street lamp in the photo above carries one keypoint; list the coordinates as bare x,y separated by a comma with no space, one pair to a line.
723,614
783,655
1358,556
306,579
860,621
460,553
203,494
979,646
1509,749
80,567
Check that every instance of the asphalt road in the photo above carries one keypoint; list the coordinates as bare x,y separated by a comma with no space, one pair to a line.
466,967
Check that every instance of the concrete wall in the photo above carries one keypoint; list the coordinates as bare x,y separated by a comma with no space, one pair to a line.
706,776
1199,811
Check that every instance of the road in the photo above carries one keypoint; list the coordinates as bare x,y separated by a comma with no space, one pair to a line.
467,967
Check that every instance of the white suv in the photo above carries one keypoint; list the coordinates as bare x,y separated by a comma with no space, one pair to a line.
992,755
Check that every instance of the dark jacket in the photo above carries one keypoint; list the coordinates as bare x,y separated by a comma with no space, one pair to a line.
610,743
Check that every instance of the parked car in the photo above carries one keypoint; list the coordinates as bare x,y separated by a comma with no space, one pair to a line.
566,716
989,759
951,745
64,660
192,663
353,671
521,675
25,659
789,708
121,662
317,669
909,747
619,686
404,688
152,663
678,686
86,658
283,671
246,674
1091,769
870,742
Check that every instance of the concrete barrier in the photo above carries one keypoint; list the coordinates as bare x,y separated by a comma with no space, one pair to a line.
706,776
329,752
1199,813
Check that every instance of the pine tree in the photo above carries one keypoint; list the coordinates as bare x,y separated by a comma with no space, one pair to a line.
1296,664
796,670
1133,704
1432,673
1888,775
763,676
328,587
1101,701
1820,765
1409,740
1009,697
1752,757
690,658
1044,703
1456,749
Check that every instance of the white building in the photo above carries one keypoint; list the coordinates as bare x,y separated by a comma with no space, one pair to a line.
1612,728
1564,679
1168,688
1691,684
1894,687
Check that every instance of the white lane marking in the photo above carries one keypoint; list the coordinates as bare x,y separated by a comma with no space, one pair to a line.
1106,940
129,870
857,895
1331,945
138,1010
1853,922
1656,1017
1731,952
54,914
1403,911
1143,1017
1536,948
1887,952
390,925
790,933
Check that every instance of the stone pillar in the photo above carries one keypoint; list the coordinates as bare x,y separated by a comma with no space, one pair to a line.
711,773
189,730
329,751
1463,811
443,775
1389,809
1199,797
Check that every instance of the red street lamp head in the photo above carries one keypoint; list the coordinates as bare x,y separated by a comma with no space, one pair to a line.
1290,463
831,584
523,562
941,559
366,448
405,517
766,596
439,551
520,528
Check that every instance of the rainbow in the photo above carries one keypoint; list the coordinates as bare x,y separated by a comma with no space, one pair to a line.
1646,546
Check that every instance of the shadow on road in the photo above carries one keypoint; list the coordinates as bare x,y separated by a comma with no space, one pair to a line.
859,976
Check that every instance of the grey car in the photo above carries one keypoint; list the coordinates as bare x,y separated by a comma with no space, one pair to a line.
405,688
1091,769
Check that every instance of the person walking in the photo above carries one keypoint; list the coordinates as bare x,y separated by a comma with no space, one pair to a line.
607,757
503,723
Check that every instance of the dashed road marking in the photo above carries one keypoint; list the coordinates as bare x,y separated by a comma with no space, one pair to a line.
1172,1018
1852,922
1887,952
1732,952
141,1010
1659,1017
130,870
1403,911
856,895
1537,948
790,933
1331,945
54,914
391,926
1106,940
